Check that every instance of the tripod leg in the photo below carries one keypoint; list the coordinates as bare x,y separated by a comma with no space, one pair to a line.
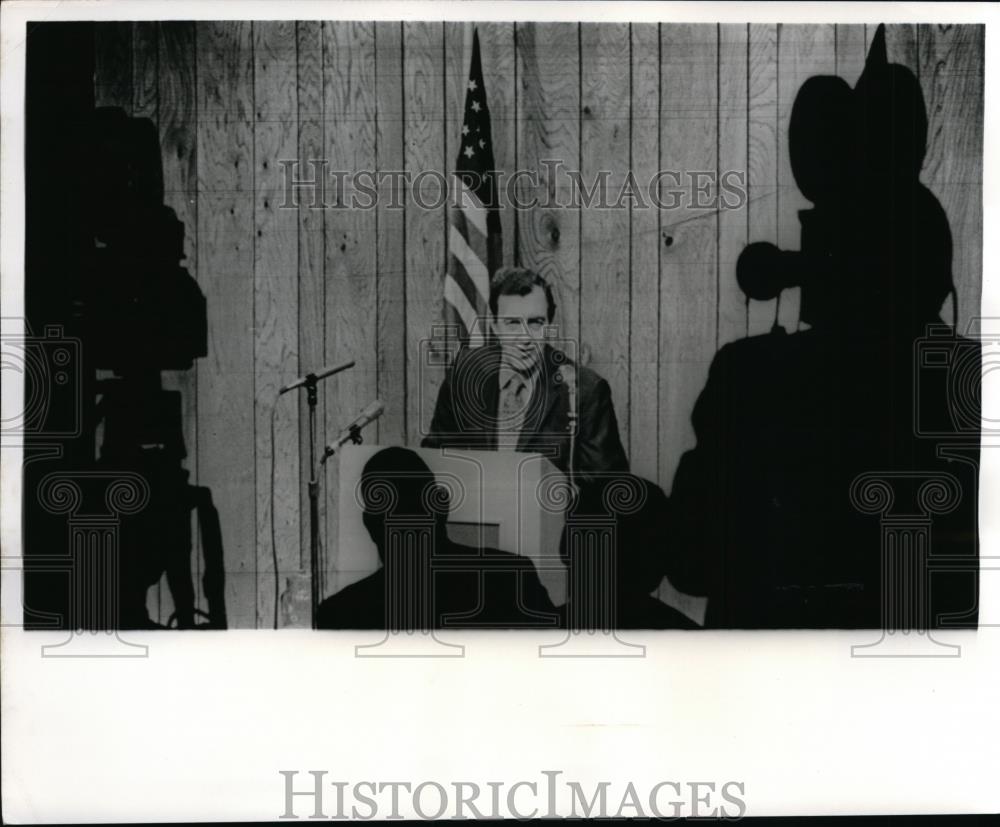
178,564
214,579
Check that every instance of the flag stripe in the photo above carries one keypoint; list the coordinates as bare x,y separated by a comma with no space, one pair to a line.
461,278
456,297
478,243
474,266
471,206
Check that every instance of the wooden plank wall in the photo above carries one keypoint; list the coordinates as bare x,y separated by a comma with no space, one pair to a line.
650,295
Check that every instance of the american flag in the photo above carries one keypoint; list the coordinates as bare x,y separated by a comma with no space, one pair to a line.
474,241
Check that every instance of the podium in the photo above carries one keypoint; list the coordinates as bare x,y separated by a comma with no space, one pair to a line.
507,500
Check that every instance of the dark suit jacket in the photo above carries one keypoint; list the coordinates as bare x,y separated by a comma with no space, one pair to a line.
471,589
469,399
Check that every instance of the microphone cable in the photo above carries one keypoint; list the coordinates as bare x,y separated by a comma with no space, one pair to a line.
274,533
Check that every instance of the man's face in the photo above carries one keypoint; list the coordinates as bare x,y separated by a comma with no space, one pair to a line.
520,325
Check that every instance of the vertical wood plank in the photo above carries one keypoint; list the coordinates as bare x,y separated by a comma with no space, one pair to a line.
803,51
496,44
457,55
225,259
733,125
113,65
178,119
851,51
688,263
311,287
901,43
145,57
762,154
604,233
178,129
350,263
644,258
275,327
390,249
425,227
951,74
548,106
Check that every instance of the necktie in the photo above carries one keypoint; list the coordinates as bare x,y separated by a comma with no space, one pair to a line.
513,400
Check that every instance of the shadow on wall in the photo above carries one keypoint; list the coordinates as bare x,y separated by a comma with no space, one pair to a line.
806,439
122,519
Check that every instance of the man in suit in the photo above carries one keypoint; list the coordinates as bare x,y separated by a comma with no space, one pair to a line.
520,393
427,581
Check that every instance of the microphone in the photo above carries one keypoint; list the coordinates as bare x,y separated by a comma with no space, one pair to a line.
567,373
352,433
330,370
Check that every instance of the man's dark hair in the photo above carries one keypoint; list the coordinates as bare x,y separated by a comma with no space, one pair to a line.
519,281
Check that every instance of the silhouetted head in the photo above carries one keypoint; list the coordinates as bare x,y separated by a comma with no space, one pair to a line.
637,510
821,139
397,486
876,251
909,262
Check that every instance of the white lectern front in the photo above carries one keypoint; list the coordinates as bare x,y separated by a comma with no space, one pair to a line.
501,499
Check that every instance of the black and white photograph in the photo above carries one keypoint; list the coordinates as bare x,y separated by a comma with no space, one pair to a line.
596,333
703,290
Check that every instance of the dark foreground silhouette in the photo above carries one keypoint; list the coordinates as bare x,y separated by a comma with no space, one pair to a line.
834,481
427,581
613,547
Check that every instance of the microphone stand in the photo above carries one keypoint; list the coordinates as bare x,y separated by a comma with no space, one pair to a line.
354,434
571,417
309,383
311,399
354,431
572,446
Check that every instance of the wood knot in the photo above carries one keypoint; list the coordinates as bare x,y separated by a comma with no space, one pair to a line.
551,229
